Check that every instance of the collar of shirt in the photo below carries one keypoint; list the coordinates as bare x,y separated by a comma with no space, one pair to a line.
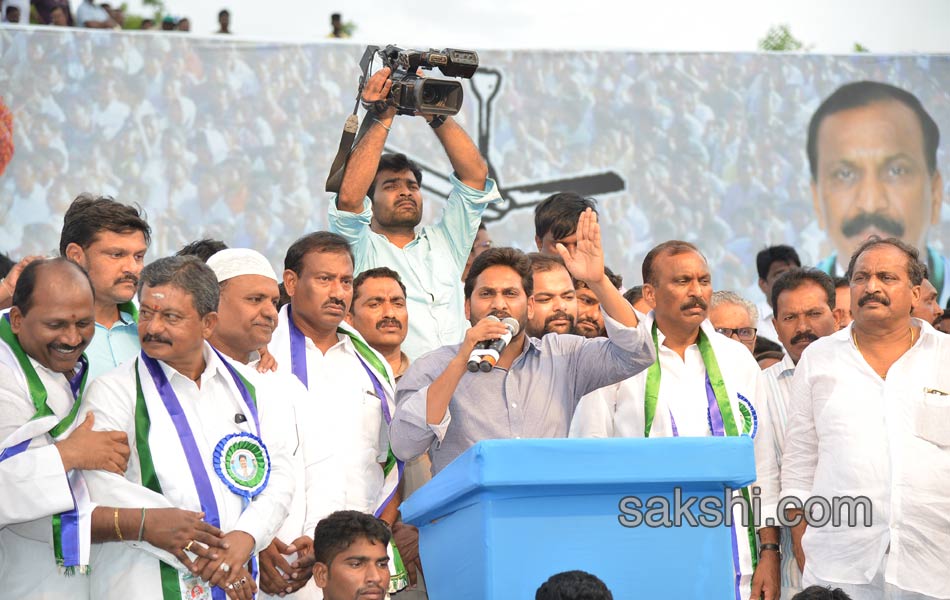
213,367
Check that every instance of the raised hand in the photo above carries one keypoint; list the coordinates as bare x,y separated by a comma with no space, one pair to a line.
586,261
94,450
376,91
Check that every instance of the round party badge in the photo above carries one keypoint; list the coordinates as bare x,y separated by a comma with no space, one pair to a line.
242,462
750,420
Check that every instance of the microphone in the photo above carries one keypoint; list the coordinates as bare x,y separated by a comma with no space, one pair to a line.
487,352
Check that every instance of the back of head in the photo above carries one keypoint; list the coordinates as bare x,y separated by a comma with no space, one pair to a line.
188,273
88,215
773,254
203,249
558,214
573,585
336,532
507,257
633,294
864,93
6,263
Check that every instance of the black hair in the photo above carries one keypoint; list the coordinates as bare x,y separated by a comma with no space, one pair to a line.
633,294
614,279
6,263
26,283
542,263
319,241
573,585
377,273
508,257
558,214
337,532
187,273
817,592
841,282
764,345
671,247
203,249
88,215
915,269
795,278
397,163
864,93
774,254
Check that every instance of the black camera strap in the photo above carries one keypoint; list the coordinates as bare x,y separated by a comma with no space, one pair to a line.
352,131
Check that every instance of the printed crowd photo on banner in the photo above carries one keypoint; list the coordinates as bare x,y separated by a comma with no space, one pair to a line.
705,147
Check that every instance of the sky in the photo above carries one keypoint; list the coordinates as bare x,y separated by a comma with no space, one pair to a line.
827,26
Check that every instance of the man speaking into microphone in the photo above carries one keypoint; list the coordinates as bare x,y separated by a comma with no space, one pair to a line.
533,389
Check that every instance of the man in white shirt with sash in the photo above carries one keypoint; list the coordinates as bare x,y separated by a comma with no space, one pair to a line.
702,384
192,420
804,305
353,382
46,516
247,317
869,420
109,241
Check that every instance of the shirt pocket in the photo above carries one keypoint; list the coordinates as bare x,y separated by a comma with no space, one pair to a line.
932,419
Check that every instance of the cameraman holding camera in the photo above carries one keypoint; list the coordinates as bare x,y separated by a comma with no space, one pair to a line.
380,204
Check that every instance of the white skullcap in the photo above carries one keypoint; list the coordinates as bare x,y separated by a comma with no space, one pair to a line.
235,262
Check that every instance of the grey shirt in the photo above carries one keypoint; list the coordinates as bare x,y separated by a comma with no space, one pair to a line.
535,398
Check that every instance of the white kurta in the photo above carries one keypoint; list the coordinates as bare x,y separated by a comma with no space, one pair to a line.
851,433
318,478
344,393
33,488
618,411
131,569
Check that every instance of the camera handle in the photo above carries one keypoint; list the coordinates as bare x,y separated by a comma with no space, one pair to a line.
352,131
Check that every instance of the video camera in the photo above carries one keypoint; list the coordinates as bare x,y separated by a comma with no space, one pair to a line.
412,94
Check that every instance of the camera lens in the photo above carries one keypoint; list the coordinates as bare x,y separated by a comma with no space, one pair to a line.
433,94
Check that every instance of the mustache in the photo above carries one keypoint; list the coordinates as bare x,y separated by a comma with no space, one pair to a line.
694,303
557,315
335,301
149,338
127,278
874,298
388,321
805,336
66,347
501,314
864,221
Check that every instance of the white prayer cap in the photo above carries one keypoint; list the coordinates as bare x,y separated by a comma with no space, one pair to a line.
234,262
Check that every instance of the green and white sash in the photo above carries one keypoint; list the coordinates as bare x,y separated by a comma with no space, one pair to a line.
722,422
72,533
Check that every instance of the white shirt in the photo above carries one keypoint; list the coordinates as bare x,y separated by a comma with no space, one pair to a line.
33,488
339,386
851,433
764,327
318,479
130,570
778,380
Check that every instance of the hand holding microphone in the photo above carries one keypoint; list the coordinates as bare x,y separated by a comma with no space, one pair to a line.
492,342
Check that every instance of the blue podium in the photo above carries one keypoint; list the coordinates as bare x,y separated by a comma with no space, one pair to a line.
507,514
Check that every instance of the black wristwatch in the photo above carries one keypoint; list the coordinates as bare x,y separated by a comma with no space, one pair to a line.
770,548
437,121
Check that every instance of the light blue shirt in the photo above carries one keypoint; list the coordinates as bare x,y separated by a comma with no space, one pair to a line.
430,265
112,346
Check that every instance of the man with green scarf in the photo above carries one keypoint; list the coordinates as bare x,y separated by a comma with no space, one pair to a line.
702,384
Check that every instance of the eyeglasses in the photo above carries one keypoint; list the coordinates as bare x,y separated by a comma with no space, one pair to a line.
743,333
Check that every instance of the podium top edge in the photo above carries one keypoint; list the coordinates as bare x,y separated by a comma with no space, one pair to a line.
520,465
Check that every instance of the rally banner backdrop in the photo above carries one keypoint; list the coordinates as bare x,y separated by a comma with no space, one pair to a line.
234,139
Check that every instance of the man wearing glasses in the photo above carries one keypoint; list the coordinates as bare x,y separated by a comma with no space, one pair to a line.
734,317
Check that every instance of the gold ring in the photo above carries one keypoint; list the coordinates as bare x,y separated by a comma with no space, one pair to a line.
188,547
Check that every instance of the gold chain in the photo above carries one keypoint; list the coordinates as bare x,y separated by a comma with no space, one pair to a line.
854,338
